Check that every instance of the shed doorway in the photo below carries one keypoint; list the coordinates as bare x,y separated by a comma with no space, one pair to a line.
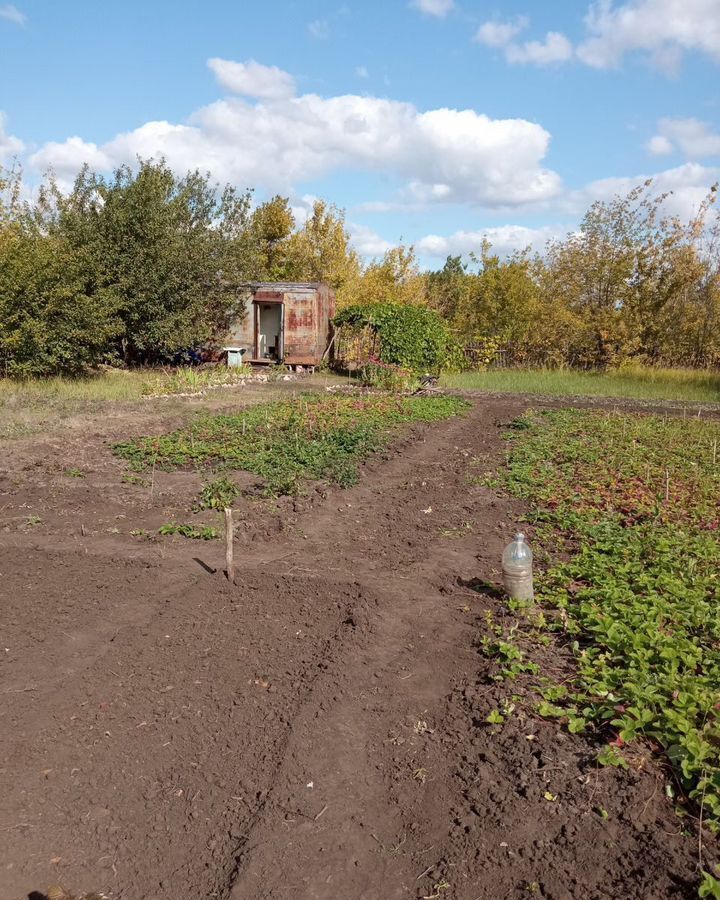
269,332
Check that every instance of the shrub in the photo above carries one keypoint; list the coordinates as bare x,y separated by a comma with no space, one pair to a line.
410,337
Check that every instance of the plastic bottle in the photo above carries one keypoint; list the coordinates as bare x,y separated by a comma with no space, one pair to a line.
517,569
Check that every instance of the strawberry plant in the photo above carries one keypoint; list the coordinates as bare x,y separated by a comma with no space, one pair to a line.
288,442
636,499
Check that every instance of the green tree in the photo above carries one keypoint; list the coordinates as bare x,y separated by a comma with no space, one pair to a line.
270,228
162,250
321,250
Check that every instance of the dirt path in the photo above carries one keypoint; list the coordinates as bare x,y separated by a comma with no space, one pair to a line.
318,731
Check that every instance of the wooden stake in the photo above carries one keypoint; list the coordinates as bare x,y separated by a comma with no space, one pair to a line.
229,534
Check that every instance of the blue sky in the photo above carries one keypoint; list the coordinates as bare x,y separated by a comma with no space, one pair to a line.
430,121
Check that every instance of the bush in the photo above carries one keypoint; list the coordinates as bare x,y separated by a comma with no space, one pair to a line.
411,337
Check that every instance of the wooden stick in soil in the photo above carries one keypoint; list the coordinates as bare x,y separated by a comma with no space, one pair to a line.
229,534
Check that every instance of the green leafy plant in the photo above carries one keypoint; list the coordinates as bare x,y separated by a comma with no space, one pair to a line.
218,494
709,887
637,498
287,442
199,533
412,338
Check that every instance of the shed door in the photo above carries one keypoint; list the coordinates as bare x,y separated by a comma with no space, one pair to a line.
269,331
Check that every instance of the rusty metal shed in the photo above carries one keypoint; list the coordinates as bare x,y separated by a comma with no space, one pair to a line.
283,322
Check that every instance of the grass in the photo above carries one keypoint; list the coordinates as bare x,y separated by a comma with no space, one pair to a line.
632,382
118,385
29,406
112,385
635,502
288,442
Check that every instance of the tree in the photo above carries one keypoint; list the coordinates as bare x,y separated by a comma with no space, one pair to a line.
321,250
162,252
271,225
395,278
52,318
448,288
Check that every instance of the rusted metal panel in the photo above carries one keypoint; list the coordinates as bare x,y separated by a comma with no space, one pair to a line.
300,327
308,310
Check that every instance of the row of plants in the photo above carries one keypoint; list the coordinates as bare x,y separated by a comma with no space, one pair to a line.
289,442
632,503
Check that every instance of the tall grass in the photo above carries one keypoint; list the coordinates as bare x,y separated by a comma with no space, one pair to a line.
31,405
117,385
111,385
633,382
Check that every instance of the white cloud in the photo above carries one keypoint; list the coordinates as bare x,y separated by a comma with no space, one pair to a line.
10,145
66,158
437,8
12,14
366,241
319,29
554,48
659,145
505,239
693,138
280,141
499,34
688,186
252,79
663,29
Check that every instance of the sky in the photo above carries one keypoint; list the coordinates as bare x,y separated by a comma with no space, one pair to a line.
430,122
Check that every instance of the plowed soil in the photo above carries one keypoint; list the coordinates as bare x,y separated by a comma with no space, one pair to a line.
316,731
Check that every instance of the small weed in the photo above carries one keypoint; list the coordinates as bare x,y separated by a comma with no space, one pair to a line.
420,775
510,657
218,494
612,757
32,521
438,890
495,717
132,478
75,473
198,533
709,887
460,531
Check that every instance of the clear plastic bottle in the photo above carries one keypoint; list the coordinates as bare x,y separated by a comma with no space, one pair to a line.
517,569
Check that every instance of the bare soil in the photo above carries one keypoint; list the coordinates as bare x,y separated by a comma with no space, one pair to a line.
317,731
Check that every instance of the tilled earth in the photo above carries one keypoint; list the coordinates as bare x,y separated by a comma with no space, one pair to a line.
317,731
